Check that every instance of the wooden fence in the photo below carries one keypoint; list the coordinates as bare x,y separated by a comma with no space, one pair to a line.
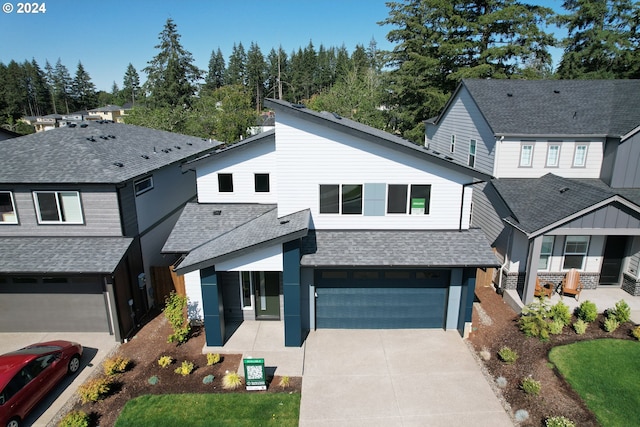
164,281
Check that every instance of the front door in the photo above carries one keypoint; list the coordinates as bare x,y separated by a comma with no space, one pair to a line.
267,288
614,251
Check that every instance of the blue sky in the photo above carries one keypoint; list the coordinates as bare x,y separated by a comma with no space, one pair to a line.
107,36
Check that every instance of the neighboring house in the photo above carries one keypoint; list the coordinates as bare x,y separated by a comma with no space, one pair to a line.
108,112
48,122
578,145
84,212
327,223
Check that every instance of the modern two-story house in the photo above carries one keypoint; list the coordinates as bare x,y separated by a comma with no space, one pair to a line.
327,223
565,155
84,212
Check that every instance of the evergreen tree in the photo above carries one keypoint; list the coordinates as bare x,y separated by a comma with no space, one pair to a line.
256,74
171,75
278,74
37,91
15,92
326,68
62,86
83,91
343,63
51,85
130,85
236,73
215,76
602,39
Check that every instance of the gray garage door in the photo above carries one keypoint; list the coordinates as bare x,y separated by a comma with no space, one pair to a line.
45,305
389,299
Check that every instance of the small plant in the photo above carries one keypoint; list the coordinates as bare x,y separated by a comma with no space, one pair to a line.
587,311
184,369
636,332
611,324
94,390
175,313
556,327
208,379
559,422
530,386
534,321
485,354
507,355
580,326
115,365
231,381
284,382
501,382
75,419
153,380
560,312
165,361
621,311
213,358
521,415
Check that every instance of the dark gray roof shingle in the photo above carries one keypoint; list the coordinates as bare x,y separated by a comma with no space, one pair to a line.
25,255
558,107
93,154
397,248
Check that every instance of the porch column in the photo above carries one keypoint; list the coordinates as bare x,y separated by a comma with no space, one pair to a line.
212,307
455,293
531,273
291,294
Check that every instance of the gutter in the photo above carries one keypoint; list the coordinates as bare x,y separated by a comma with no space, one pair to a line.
462,201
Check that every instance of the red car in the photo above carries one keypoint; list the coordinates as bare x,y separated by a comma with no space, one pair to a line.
28,374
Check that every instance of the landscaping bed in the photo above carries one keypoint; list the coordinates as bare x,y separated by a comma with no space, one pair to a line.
495,325
144,350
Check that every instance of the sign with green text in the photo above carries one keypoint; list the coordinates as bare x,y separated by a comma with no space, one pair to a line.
417,206
254,375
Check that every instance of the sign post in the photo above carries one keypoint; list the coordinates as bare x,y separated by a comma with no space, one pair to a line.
254,375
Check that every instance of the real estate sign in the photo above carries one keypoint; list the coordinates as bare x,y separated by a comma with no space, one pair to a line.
254,375
417,206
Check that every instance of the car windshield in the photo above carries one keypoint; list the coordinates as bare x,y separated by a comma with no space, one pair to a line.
36,350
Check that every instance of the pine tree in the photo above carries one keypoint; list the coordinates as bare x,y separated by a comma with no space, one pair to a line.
215,76
51,85
256,74
83,91
130,85
236,73
171,75
62,86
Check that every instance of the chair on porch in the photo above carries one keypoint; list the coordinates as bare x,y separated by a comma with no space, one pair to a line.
543,290
571,284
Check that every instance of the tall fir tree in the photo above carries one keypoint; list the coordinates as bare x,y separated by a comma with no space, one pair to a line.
62,87
256,74
171,75
236,73
83,91
215,74
130,85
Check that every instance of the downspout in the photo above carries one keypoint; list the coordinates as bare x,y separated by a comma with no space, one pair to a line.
462,200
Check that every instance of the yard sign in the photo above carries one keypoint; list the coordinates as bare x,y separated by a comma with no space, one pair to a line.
254,374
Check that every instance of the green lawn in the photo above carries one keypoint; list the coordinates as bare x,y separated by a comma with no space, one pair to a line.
216,409
606,374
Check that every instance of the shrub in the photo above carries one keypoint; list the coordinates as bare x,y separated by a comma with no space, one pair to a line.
153,380
231,381
534,321
636,332
521,415
621,311
580,326
530,386
556,327
115,365
184,369
176,315
507,355
165,361
560,312
559,422
208,379
611,324
284,381
501,382
75,419
213,358
587,311
94,390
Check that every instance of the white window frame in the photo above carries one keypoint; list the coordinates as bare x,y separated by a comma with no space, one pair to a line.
575,253
9,217
251,294
452,147
575,163
58,194
143,190
471,161
546,254
522,157
551,146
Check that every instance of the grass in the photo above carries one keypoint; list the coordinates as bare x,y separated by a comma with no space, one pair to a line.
219,409
606,374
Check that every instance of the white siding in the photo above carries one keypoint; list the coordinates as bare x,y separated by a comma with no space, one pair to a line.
193,289
508,159
310,155
265,259
242,164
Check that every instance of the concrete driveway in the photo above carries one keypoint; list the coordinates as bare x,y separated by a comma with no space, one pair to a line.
387,378
96,347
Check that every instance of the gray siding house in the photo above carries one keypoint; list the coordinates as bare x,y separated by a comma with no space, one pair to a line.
565,158
84,211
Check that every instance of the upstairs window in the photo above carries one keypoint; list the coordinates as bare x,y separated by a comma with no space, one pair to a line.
420,199
225,183
575,252
472,153
261,181
580,156
414,199
352,199
143,185
453,144
7,208
345,199
397,198
553,155
58,207
526,155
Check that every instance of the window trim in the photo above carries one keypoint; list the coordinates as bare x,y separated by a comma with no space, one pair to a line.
145,189
522,146
12,200
225,174
251,294
36,201
583,254
575,153
255,183
549,147
472,156
452,146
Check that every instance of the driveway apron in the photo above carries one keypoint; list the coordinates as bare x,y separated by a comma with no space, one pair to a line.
406,377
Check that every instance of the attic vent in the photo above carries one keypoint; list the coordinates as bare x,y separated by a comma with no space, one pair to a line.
72,125
92,139
144,156
177,147
575,114
509,94
104,137
84,125
556,91
448,158
191,143
112,136
437,153
217,213
284,221
166,150
118,164
564,189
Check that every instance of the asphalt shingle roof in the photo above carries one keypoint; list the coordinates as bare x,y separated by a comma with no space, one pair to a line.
22,255
98,153
558,107
397,248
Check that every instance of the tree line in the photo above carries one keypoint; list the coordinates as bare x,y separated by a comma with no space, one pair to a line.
436,44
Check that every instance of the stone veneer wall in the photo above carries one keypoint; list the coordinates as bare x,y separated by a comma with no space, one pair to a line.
589,280
631,285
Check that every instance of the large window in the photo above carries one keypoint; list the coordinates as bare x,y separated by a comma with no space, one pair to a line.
416,201
472,153
261,181
330,199
345,199
7,208
580,156
553,155
575,252
545,252
397,198
526,155
420,199
225,183
352,199
58,207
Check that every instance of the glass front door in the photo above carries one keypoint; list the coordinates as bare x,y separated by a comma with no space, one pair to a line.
267,289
